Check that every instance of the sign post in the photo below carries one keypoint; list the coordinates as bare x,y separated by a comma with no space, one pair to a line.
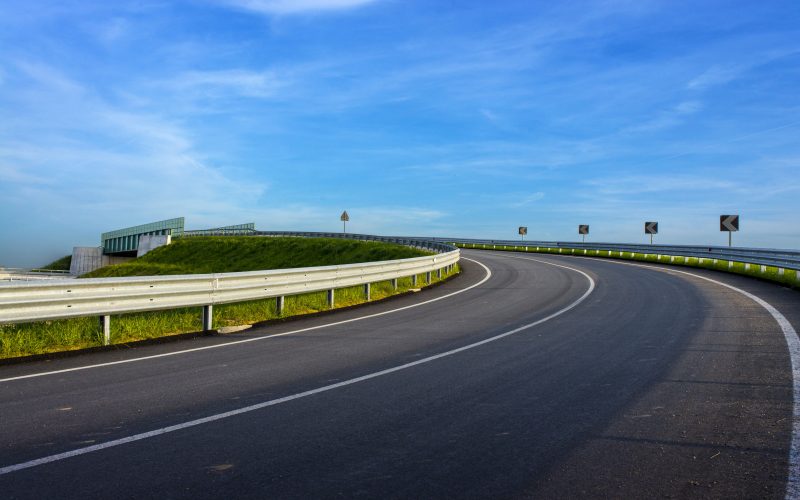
729,223
523,231
651,228
344,218
583,230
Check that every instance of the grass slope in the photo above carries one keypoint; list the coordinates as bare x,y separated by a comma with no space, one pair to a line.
61,264
229,254
219,254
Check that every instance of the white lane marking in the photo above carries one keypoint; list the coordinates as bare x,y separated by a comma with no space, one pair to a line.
792,343
247,409
254,339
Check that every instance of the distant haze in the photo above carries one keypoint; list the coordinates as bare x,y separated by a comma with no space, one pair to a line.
418,117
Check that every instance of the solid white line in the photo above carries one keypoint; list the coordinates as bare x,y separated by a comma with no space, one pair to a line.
792,343
254,339
247,409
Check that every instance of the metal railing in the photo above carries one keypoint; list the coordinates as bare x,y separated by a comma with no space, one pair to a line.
438,245
38,301
787,259
26,274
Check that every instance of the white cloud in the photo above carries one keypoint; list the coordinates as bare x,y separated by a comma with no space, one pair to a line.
667,118
528,199
296,6
244,82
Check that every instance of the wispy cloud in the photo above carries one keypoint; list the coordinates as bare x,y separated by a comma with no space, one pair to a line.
273,7
238,81
667,118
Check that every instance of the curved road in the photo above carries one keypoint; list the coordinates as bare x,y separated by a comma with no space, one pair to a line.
531,376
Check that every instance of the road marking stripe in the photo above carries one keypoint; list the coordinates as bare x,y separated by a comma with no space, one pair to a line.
792,343
254,339
259,406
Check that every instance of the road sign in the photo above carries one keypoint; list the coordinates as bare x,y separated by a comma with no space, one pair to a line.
651,228
728,222
583,230
344,218
523,230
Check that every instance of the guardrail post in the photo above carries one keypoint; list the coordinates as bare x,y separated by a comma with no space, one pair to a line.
279,302
780,271
105,326
414,281
394,284
366,291
208,317
439,273
331,297
428,278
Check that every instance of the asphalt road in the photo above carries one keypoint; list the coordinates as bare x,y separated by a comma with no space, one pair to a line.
630,382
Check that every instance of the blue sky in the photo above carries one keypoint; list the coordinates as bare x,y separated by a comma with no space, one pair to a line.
429,117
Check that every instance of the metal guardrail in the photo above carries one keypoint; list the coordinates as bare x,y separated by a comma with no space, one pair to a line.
438,245
39,301
25,274
787,259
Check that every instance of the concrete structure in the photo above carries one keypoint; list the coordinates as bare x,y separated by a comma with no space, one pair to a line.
148,243
87,259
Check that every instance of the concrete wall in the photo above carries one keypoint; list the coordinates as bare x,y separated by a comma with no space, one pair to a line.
87,259
151,242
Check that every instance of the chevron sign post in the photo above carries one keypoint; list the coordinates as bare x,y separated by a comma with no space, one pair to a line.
583,230
651,228
729,223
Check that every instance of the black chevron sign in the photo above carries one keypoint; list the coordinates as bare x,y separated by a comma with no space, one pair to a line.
583,229
728,222
651,228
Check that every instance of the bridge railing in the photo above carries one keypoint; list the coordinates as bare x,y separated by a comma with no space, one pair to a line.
788,259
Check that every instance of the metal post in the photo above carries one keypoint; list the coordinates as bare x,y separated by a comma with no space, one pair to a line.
584,238
208,317
366,292
394,284
428,278
439,273
279,302
730,238
414,281
331,297
105,326
651,238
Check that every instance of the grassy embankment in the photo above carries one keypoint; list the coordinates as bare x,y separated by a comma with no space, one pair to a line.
787,277
199,255
61,264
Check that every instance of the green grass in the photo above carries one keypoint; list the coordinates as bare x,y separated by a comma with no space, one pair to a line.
62,335
220,254
61,264
788,278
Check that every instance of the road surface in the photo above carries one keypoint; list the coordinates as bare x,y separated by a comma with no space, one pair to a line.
527,376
